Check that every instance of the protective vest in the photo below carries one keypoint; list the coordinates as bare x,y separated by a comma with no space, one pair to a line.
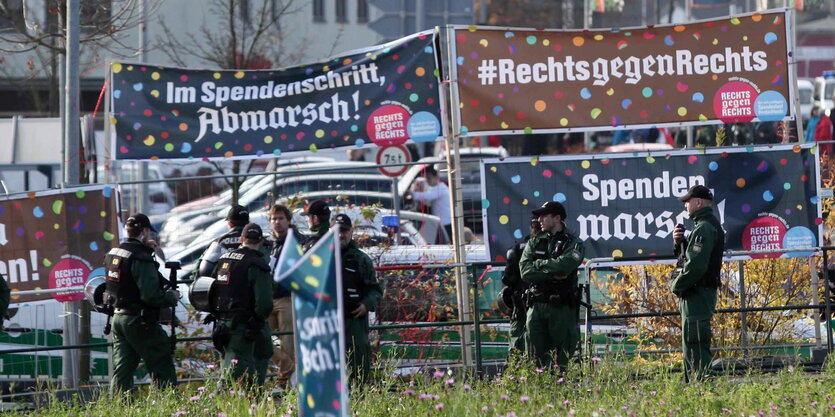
121,284
233,293
565,288
512,275
231,240
352,283
714,268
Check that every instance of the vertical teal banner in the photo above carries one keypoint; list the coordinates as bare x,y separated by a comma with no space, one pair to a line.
316,282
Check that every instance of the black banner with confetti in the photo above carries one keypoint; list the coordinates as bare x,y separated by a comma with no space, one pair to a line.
56,239
625,205
383,95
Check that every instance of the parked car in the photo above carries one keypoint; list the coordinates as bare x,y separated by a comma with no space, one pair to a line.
174,226
823,95
368,232
355,189
804,96
160,196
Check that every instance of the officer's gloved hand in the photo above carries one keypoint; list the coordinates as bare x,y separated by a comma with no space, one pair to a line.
176,294
678,234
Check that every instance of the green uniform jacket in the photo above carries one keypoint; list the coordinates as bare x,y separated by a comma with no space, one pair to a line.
697,302
372,291
147,279
563,263
5,298
318,231
262,284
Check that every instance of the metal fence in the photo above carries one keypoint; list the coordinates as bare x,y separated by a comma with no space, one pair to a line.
416,326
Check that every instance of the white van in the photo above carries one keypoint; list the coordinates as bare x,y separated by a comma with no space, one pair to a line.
824,87
804,95
160,196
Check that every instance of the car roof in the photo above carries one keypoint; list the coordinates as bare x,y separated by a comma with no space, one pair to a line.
632,147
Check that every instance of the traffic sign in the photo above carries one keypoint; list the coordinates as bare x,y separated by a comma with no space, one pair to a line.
401,18
395,154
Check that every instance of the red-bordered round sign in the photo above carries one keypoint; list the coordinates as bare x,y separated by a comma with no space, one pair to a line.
394,154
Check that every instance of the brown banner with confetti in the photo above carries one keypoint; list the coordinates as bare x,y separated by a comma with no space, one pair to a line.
56,239
732,70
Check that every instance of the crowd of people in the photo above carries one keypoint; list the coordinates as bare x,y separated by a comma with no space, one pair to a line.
247,303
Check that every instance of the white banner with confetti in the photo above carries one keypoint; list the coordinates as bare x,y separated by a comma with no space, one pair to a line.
625,205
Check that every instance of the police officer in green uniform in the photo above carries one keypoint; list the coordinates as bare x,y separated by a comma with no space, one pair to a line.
549,264
237,217
361,292
696,278
5,298
318,220
137,293
243,300
513,291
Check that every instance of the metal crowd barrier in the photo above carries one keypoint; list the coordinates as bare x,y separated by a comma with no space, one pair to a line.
477,269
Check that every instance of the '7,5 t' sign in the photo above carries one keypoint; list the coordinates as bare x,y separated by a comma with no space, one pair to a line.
393,155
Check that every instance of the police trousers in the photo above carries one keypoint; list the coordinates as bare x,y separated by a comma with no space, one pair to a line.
134,341
248,352
552,332
358,349
695,346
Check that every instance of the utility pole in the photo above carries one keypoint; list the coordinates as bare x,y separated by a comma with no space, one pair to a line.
71,175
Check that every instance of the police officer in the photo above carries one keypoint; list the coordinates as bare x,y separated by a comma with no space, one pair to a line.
242,296
237,217
5,298
549,264
318,220
696,278
281,318
514,288
137,292
361,292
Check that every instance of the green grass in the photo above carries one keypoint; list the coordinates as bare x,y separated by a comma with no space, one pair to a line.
607,388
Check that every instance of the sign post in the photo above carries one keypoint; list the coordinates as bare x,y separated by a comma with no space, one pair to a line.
393,154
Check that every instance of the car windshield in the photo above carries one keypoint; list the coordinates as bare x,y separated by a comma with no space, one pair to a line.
805,95
381,184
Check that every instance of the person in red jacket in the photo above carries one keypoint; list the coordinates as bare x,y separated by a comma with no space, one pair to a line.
823,132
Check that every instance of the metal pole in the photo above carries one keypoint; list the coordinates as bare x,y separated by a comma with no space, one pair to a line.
688,18
827,301
815,299
142,200
453,159
586,134
420,14
476,323
71,174
395,198
743,314
798,116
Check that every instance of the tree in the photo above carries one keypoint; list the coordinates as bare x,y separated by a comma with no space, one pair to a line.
36,30
768,282
248,37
